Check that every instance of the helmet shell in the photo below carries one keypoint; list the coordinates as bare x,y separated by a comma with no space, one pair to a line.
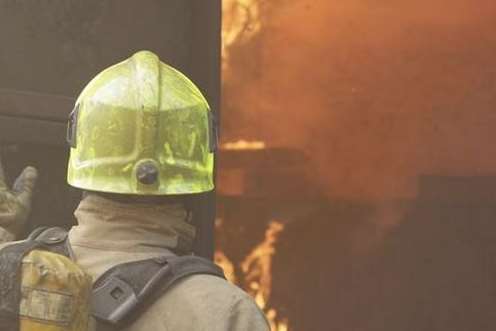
141,127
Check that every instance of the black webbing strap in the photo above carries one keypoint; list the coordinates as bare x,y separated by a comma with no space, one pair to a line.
123,292
11,257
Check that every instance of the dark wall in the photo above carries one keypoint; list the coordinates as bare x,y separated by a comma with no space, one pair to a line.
56,46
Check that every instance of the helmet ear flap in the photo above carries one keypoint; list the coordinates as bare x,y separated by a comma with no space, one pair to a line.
213,131
72,127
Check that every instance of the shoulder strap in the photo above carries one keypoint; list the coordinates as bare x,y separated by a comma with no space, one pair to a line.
52,239
121,294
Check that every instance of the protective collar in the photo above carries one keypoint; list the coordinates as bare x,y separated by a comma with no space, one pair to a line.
104,223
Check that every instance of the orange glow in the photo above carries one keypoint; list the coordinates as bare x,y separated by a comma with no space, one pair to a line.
258,265
257,274
376,94
241,21
257,268
221,260
244,145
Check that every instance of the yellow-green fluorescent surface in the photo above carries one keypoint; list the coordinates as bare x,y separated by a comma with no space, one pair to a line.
136,111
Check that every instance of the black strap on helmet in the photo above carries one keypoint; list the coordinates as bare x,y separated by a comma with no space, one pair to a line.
72,127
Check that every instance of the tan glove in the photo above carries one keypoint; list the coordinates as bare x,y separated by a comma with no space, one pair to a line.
15,203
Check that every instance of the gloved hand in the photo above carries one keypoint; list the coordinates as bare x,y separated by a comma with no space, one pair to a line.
15,203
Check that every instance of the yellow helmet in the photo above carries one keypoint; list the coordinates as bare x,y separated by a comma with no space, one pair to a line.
142,127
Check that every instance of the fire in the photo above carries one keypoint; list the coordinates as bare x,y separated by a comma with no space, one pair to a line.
257,268
244,145
258,265
241,21
257,274
221,259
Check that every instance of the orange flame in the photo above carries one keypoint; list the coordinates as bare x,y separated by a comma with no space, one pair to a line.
258,265
221,259
244,145
257,271
241,21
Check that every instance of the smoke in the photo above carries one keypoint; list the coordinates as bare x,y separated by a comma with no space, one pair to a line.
376,92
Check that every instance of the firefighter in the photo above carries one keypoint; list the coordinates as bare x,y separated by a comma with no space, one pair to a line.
142,143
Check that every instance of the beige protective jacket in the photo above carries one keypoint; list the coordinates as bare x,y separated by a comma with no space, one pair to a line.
110,233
